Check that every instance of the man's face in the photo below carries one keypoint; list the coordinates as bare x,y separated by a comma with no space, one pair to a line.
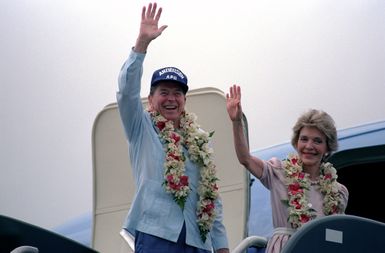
169,100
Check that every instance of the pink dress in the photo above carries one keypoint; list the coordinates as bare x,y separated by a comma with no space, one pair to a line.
273,178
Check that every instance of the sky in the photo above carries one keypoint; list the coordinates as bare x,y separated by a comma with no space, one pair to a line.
60,61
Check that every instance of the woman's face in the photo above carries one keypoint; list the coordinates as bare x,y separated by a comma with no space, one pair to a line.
169,100
311,147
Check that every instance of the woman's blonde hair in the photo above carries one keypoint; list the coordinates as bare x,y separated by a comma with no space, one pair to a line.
320,120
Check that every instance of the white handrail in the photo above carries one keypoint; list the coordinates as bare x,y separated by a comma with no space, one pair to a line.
25,249
128,238
254,240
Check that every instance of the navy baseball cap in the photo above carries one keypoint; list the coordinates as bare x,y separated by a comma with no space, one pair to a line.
170,74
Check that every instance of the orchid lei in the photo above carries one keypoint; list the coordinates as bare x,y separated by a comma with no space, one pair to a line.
298,185
175,181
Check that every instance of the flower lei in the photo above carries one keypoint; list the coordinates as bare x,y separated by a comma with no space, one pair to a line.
298,184
175,180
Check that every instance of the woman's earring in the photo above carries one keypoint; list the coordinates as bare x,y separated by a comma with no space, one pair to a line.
325,157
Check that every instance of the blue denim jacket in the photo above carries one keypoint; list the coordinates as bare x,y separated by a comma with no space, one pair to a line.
154,211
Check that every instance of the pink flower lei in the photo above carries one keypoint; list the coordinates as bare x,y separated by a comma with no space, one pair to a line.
175,180
298,185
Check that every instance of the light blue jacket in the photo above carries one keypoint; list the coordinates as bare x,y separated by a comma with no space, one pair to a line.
154,211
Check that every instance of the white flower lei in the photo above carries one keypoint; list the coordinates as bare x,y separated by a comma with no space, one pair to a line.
175,180
298,185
